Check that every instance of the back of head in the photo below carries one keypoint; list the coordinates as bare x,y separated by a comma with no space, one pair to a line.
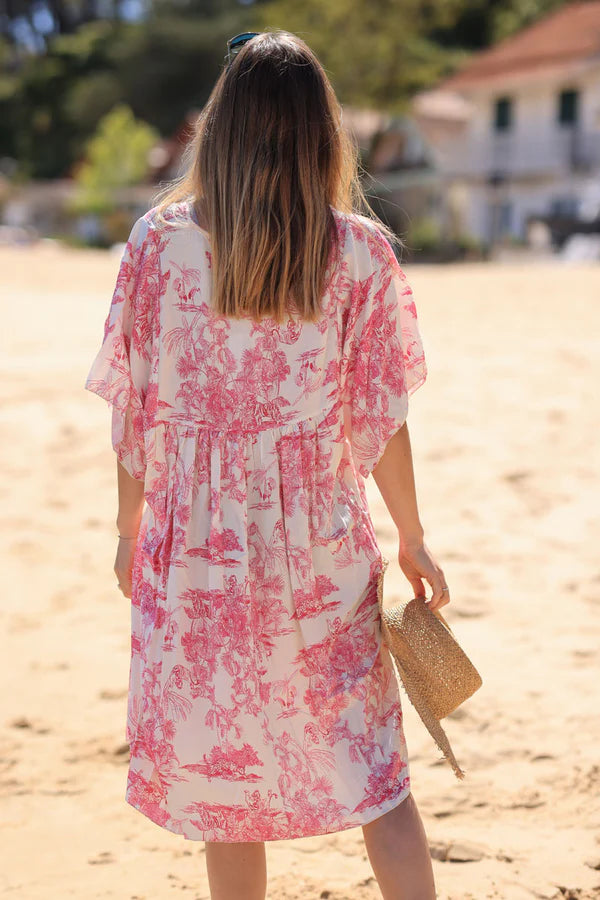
267,161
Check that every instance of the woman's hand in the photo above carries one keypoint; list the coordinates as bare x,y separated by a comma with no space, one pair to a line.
417,563
124,564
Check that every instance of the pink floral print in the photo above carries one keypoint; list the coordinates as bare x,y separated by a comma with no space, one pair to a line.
262,702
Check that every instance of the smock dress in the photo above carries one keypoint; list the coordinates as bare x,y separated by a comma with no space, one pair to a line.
262,703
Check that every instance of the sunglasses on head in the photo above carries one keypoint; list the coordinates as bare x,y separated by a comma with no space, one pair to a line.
235,44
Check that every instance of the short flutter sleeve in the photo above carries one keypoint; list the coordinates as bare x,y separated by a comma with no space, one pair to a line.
383,361
121,369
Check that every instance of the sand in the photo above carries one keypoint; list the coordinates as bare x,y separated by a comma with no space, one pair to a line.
505,444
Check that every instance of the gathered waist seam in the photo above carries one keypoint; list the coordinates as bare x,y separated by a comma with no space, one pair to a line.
203,426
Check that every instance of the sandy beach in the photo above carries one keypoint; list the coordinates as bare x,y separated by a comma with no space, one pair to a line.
505,444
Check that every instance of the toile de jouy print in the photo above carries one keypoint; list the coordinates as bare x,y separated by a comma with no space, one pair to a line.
262,702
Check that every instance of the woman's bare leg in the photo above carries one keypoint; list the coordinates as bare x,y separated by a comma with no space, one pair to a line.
399,853
236,869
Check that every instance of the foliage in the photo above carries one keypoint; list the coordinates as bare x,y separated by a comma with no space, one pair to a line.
370,63
511,17
117,156
66,63
426,241
52,102
424,234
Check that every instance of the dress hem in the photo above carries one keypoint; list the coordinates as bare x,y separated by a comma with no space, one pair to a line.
381,811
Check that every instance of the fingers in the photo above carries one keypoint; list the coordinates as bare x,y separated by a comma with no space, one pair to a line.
417,585
123,566
419,565
123,579
441,594
123,583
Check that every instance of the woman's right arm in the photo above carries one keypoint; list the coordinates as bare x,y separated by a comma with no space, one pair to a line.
394,476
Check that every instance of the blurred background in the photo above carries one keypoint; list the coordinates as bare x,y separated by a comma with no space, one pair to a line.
478,121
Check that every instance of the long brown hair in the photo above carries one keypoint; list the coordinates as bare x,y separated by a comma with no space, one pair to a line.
267,160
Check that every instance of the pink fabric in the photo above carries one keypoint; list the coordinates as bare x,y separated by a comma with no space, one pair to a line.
262,702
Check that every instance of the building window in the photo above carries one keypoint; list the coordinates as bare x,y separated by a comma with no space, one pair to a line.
503,114
568,107
567,206
501,219
505,217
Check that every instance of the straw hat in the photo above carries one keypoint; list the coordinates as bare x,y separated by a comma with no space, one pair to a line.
435,672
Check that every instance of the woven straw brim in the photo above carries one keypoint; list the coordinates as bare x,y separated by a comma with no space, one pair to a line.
434,671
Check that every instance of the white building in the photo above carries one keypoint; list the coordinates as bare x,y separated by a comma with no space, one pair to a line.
516,132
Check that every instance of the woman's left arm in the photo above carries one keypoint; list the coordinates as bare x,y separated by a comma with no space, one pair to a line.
131,505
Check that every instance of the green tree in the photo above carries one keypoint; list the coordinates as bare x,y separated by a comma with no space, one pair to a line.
164,63
117,156
163,66
507,18
377,54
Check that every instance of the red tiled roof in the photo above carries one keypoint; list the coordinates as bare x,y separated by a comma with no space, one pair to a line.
571,33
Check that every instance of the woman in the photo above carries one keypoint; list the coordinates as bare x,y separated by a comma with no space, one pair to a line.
258,354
